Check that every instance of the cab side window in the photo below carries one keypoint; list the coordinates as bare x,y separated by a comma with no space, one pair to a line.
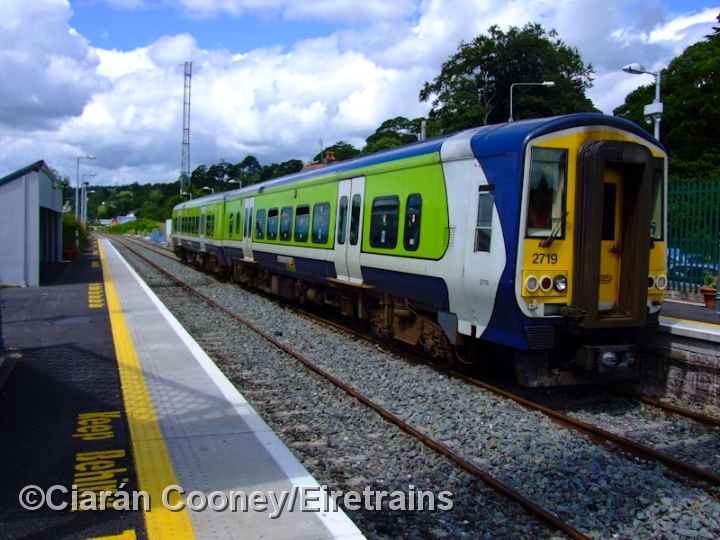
384,222
411,237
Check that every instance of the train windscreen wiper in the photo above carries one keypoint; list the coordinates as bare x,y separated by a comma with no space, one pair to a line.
555,232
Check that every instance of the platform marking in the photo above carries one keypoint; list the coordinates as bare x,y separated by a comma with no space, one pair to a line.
152,460
96,264
126,535
714,325
96,296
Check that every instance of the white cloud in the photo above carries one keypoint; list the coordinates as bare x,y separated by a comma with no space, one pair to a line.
67,99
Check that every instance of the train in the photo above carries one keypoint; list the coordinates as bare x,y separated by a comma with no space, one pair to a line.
538,242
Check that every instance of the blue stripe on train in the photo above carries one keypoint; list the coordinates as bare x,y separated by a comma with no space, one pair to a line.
426,289
305,268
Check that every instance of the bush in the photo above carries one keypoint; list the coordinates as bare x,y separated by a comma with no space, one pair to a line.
72,229
132,227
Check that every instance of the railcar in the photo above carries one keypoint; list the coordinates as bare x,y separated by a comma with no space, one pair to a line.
543,240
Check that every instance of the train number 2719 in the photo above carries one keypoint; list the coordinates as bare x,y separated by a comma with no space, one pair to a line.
540,258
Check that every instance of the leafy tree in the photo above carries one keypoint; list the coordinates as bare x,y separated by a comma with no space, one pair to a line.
473,87
392,133
690,127
343,150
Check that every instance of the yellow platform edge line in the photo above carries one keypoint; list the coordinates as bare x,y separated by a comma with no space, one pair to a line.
152,461
714,325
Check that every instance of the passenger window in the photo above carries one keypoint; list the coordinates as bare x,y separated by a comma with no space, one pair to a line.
342,220
232,218
320,223
260,225
272,224
412,222
355,219
384,222
237,223
286,215
483,230
546,196
302,223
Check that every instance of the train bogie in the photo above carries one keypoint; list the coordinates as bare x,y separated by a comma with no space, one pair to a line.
536,236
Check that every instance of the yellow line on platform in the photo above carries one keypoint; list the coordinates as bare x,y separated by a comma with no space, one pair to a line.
715,325
152,461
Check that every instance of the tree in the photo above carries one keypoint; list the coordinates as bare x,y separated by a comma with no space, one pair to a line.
473,87
690,128
391,133
343,150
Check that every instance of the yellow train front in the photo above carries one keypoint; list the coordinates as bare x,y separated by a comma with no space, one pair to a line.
590,268
541,239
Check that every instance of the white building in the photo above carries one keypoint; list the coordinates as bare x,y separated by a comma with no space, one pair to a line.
31,202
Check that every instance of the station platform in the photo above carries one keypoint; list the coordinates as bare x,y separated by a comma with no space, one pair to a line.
691,321
102,391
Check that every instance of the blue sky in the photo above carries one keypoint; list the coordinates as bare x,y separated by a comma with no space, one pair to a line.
273,77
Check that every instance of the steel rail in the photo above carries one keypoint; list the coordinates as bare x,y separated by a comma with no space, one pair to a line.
543,515
595,434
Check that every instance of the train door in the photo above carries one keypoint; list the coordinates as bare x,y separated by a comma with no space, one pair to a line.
348,229
203,217
611,240
248,229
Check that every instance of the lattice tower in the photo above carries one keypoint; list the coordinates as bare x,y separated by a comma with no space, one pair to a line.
185,167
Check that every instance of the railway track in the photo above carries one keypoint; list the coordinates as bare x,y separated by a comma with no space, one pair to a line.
606,438
422,432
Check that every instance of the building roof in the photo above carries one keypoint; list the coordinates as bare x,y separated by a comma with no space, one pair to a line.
37,166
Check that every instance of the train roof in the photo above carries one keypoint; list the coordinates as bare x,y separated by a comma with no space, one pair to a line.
486,140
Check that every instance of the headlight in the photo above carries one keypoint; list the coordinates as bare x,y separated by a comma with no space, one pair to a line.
560,283
532,283
661,282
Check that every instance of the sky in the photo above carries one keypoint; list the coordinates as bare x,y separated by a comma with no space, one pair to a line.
272,78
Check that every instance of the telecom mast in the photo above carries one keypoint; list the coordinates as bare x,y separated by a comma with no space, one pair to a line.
185,170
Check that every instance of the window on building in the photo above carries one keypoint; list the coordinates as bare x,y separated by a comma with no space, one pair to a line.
342,220
260,225
272,224
320,223
302,223
286,215
411,237
384,222
483,229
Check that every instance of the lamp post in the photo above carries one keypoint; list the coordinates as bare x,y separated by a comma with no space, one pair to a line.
83,198
212,190
77,182
653,110
513,85
186,193
87,192
235,182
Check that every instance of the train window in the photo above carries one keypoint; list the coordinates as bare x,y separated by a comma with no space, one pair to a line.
342,219
384,222
231,220
272,224
260,225
656,229
483,229
237,223
411,238
286,215
320,223
355,219
608,211
302,223
546,194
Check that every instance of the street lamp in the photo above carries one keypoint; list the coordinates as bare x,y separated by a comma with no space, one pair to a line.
87,192
77,181
545,83
653,110
186,193
83,198
212,190
235,182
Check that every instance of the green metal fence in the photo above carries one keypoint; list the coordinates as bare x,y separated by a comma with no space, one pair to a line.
693,216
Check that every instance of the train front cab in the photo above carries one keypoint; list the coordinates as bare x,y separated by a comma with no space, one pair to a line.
592,271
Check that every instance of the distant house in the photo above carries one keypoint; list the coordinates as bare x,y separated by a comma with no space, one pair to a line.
31,203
